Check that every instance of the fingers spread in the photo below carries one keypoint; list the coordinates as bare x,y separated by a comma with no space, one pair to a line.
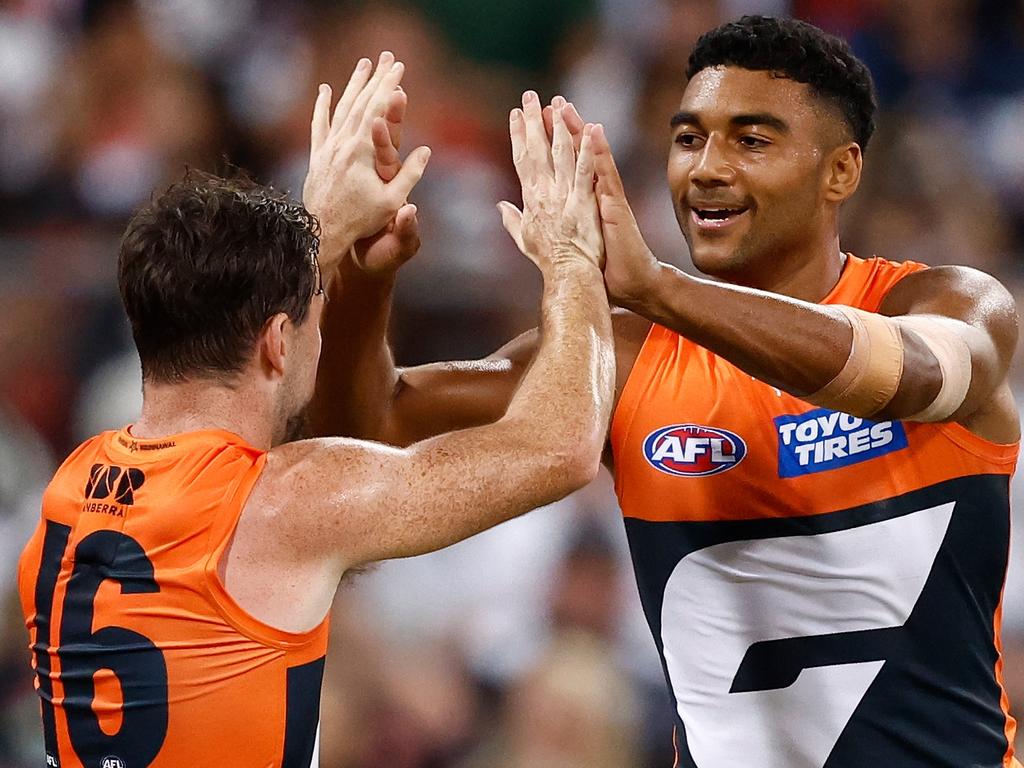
409,174
360,76
357,107
394,114
320,125
377,104
512,221
385,156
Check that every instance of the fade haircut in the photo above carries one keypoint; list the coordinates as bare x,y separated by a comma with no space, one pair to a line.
799,51
204,265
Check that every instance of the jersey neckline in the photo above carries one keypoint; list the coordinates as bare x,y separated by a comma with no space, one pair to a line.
123,441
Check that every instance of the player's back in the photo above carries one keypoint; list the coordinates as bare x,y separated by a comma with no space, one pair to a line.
141,656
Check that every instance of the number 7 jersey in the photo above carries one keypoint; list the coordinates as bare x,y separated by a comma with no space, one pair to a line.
141,656
824,590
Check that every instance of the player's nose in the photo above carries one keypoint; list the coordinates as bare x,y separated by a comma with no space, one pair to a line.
711,166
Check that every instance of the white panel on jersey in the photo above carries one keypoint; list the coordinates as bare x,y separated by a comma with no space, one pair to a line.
315,761
722,599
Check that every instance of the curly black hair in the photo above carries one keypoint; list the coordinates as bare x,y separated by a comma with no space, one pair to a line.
205,264
799,51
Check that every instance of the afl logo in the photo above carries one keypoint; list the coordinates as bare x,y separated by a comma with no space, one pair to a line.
691,450
112,762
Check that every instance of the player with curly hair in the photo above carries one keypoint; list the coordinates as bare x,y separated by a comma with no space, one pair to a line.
812,451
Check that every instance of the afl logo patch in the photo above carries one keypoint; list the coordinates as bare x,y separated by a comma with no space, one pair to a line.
691,450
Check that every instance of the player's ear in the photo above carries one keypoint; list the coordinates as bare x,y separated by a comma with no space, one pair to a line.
274,344
843,172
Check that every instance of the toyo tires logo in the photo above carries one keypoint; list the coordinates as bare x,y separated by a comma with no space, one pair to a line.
692,450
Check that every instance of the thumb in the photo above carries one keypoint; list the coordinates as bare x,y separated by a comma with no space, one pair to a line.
615,210
407,228
512,221
410,173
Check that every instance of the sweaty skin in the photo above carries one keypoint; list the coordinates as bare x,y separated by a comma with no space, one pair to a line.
323,507
746,141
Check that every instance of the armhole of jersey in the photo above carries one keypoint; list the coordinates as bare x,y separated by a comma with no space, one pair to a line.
629,400
221,533
1004,454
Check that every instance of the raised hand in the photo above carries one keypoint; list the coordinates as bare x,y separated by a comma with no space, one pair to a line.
385,251
630,268
560,215
343,186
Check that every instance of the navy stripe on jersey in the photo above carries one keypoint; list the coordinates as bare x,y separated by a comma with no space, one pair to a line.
935,701
303,713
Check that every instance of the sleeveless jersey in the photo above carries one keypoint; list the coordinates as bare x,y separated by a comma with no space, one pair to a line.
141,656
824,590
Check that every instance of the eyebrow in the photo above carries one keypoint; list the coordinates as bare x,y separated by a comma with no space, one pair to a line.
759,118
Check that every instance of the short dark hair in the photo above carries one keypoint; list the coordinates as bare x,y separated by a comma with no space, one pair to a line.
799,51
205,264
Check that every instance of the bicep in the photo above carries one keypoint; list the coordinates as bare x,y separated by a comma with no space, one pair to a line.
441,397
357,502
965,303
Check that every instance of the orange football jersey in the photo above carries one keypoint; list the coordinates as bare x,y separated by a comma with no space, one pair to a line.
141,656
824,590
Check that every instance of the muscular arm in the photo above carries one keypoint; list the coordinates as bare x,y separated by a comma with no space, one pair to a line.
325,506
799,347
398,502
361,393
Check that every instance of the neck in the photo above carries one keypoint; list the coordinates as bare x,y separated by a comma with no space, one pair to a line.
169,409
811,277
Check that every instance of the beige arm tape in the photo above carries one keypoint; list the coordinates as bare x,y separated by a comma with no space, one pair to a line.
954,358
871,375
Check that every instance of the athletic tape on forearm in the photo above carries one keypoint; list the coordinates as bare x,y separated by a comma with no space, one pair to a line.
954,358
871,375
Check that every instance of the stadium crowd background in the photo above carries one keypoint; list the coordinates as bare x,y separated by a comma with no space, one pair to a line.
525,646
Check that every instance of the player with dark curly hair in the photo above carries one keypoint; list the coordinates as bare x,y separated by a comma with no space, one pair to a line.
812,452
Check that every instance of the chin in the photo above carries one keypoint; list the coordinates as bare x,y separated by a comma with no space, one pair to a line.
720,259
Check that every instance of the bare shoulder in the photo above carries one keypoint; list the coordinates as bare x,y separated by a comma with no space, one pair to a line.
964,293
305,481
324,470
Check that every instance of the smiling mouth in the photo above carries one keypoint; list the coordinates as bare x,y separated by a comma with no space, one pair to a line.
715,218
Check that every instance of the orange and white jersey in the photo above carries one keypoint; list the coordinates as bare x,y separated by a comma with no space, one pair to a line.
824,590
141,656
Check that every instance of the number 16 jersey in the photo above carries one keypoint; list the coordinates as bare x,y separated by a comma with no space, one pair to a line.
824,590
141,656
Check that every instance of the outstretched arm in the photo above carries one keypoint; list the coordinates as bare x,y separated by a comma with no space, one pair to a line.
360,392
375,502
948,325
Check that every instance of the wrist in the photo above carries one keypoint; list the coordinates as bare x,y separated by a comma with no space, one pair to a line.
641,292
353,270
569,259
334,250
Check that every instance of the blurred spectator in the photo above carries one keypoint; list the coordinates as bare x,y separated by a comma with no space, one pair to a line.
525,646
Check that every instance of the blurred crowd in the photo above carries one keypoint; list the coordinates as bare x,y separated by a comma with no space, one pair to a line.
525,647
